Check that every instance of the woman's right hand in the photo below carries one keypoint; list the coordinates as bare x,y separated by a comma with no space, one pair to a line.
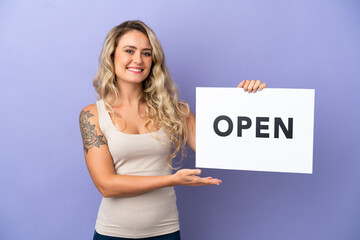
188,177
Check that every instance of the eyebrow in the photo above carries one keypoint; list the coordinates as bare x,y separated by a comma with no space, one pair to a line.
129,46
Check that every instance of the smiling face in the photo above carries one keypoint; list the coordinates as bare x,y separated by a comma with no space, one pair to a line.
132,58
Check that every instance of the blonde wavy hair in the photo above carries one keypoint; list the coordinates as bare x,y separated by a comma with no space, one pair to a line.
163,108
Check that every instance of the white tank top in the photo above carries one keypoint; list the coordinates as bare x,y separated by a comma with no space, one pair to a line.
146,215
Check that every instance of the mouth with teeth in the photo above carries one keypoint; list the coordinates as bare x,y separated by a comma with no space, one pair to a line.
135,69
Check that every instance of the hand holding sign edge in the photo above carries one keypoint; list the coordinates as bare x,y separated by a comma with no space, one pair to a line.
252,85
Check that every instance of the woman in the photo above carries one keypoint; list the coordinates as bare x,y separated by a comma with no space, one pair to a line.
132,133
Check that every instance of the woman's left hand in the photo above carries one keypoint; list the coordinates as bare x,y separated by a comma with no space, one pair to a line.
252,85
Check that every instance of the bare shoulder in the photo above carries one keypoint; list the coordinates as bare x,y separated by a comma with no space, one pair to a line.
89,109
90,130
184,107
88,114
191,125
189,115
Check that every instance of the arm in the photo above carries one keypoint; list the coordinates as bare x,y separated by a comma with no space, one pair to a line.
100,165
191,130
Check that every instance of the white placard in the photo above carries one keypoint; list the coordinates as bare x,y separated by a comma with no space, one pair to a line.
272,130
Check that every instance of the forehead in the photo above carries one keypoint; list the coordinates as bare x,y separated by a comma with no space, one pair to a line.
134,38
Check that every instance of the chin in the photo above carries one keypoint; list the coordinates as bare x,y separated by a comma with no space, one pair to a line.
136,80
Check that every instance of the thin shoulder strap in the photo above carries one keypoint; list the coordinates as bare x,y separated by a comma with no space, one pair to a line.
104,117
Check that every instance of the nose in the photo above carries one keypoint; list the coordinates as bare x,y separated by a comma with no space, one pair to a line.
137,58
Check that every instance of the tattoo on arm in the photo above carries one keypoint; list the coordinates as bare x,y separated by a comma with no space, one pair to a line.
89,135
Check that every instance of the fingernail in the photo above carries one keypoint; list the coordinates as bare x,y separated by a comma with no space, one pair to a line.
199,171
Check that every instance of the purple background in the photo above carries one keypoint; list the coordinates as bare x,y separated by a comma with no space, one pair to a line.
49,55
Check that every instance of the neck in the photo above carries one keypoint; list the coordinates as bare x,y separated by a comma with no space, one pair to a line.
129,93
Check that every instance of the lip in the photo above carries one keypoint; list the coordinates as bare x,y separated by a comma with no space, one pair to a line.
135,68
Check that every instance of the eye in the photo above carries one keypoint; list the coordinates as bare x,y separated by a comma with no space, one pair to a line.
148,54
129,51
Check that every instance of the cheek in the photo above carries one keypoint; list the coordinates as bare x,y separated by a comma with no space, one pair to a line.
119,65
148,63
120,60
118,69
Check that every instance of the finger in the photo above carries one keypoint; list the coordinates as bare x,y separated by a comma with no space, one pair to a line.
196,172
246,85
251,85
211,181
214,181
205,181
256,86
262,86
241,84
189,172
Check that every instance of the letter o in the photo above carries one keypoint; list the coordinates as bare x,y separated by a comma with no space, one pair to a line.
216,126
